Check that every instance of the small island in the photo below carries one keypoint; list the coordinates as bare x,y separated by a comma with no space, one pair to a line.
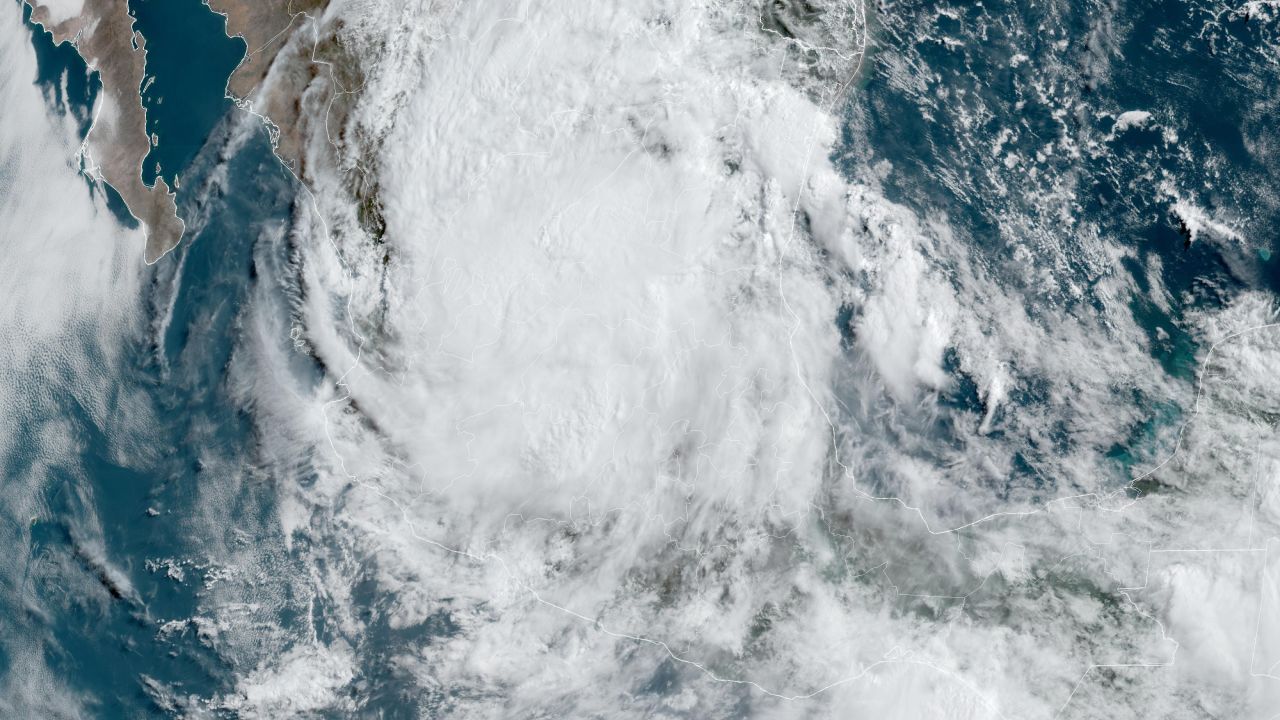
103,33
117,144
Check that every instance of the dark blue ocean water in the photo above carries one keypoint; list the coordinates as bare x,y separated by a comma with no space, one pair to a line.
949,80
189,58
59,64
97,601
141,482
70,88
1207,85
104,639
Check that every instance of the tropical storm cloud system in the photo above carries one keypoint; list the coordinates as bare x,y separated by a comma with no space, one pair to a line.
867,359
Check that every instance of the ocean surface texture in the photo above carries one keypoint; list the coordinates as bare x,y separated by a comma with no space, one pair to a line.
867,359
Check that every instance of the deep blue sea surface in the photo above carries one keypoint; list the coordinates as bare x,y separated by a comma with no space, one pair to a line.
72,89
998,116
63,75
99,600
99,605
189,58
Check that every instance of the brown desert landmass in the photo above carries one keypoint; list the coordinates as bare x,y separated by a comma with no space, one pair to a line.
267,27
103,35
118,143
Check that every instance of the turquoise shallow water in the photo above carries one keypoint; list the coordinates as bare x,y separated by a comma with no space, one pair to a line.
98,600
1024,80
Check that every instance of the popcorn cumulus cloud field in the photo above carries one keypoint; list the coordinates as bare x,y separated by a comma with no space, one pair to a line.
654,359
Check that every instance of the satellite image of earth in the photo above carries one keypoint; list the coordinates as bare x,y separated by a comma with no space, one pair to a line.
865,359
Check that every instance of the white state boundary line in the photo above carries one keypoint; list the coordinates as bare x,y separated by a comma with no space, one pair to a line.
340,382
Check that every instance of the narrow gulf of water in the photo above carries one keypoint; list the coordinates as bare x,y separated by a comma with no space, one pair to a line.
116,550
189,58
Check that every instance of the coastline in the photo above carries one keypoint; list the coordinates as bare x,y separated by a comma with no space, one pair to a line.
117,143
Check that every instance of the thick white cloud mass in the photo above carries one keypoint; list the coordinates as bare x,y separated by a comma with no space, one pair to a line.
638,408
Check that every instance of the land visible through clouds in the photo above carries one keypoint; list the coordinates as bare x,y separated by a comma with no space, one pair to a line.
103,33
